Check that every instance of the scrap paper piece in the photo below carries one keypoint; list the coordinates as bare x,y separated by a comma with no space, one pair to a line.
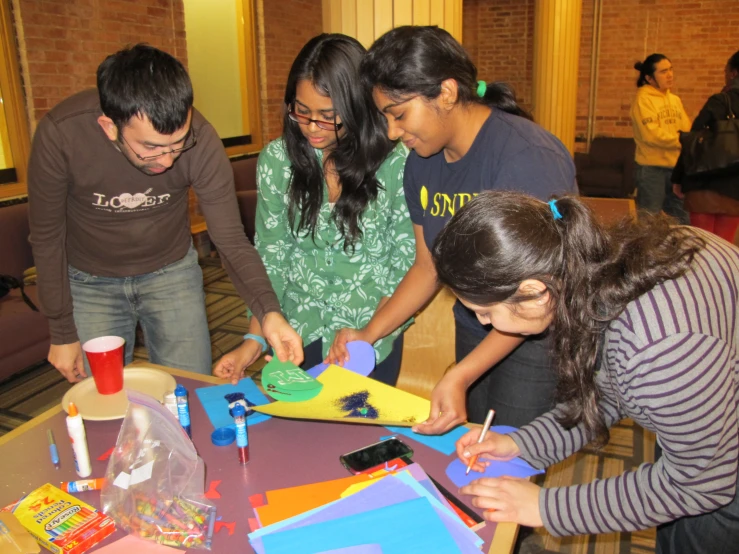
229,525
253,524
105,455
287,382
361,359
212,491
131,543
256,500
446,443
216,406
386,526
352,398
512,468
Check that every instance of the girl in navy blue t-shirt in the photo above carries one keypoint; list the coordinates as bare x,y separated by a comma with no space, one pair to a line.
466,137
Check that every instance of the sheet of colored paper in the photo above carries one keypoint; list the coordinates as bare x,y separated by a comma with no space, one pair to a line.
349,397
286,381
129,544
361,359
360,549
400,487
286,503
512,468
386,526
216,406
442,443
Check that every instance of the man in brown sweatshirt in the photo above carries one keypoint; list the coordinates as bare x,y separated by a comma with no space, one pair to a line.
108,181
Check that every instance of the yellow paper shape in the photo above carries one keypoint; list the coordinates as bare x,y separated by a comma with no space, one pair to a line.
285,503
370,402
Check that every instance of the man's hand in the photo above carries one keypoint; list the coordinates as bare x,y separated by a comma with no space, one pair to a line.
231,366
67,358
447,406
506,499
677,190
286,343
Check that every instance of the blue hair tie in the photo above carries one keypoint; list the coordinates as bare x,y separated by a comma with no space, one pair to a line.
555,211
482,86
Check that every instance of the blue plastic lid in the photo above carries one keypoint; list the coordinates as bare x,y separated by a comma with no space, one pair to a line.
180,390
223,436
238,410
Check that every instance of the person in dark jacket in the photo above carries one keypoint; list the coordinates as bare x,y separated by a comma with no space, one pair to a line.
713,202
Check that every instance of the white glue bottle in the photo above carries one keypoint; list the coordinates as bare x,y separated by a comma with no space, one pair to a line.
78,438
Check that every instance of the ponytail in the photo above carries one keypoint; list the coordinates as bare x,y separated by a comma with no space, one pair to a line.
500,239
501,95
647,67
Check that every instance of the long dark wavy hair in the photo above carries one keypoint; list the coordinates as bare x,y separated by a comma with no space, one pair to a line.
330,62
414,61
500,239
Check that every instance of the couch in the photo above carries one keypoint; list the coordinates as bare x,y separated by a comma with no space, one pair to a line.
608,169
245,180
24,334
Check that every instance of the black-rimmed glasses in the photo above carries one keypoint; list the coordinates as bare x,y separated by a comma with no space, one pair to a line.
305,120
190,141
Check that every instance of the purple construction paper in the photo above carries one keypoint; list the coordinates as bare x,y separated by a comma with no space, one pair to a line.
512,468
388,526
361,359
386,492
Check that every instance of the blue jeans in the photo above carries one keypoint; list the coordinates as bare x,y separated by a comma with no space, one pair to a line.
654,192
168,303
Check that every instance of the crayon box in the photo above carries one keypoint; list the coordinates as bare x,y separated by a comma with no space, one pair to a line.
61,522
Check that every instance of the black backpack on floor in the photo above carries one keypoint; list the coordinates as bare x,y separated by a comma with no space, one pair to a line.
8,282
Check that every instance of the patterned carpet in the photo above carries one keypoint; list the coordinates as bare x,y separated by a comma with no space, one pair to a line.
39,388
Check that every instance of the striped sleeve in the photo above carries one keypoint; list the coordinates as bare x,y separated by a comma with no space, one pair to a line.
684,385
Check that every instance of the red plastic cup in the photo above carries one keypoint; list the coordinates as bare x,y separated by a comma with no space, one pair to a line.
105,356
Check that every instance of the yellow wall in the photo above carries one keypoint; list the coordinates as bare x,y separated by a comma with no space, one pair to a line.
367,20
214,63
6,158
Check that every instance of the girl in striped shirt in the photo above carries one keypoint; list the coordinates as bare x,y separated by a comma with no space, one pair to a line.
644,324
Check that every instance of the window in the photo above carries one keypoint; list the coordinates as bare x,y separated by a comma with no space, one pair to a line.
14,143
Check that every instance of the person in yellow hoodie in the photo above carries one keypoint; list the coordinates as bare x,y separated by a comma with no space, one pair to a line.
657,116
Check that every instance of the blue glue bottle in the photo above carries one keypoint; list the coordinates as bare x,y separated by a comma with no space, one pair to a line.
183,408
242,436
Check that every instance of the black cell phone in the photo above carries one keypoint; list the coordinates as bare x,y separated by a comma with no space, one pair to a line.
375,455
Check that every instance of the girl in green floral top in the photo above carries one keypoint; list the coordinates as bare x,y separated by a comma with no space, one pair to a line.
332,224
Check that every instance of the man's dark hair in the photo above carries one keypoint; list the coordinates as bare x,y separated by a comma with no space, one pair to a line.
143,80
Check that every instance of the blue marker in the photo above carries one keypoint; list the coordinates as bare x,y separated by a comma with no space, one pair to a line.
183,408
52,449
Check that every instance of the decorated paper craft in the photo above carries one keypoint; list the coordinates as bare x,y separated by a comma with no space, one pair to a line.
446,443
215,404
287,382
349,397
361,359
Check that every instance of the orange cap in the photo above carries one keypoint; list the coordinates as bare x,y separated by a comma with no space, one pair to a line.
72,409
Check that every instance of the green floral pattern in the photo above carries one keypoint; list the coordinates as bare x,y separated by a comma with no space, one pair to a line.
322,287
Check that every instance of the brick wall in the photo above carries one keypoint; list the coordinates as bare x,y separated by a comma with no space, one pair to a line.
288,25
62,42
698,37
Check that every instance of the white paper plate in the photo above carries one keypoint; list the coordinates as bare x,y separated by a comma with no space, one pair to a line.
97,407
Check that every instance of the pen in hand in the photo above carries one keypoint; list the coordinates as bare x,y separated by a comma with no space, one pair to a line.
485,428
52,449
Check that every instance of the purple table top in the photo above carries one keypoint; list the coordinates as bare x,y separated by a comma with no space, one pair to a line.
283,453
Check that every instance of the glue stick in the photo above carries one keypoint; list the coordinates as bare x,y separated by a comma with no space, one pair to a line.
82,485
183,408
76,430
242,437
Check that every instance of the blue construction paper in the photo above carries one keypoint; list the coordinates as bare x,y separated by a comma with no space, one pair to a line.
411,526
216,406
360,549
390,490
512,468
361,359
446,443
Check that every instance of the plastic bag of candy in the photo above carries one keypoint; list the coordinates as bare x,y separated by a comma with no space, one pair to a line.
155,479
